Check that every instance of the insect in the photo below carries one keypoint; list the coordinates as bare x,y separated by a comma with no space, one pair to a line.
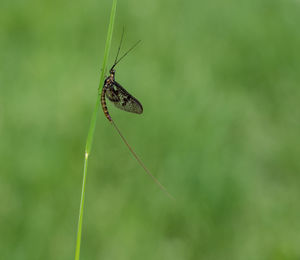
125,101
116,93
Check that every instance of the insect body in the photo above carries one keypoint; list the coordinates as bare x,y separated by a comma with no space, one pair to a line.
118,96
125,101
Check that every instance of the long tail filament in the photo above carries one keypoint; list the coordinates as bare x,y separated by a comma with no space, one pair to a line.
140,162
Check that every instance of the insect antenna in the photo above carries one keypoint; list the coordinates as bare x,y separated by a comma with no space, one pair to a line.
118,60
119,47
141,163
127,52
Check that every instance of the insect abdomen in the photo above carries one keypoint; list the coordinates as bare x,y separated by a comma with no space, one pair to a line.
103,103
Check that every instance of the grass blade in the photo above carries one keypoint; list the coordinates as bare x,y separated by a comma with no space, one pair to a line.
89,140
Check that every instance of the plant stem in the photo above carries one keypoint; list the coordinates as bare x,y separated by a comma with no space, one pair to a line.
89,140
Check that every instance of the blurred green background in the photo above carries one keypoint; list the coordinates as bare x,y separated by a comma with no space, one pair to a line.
219,82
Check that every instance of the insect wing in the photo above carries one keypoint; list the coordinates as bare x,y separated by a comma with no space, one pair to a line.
122,99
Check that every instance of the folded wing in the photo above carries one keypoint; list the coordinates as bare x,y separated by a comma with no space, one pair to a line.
122,99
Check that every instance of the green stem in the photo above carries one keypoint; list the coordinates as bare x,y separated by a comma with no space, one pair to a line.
93,126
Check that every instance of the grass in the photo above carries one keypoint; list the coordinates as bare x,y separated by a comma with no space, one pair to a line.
90,137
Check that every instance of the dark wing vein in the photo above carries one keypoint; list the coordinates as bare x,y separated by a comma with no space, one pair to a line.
122,99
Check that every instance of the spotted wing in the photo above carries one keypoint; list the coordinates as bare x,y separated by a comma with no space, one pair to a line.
122,99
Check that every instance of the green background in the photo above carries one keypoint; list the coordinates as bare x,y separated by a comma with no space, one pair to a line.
219,82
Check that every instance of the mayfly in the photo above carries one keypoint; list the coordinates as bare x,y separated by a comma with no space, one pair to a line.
125,101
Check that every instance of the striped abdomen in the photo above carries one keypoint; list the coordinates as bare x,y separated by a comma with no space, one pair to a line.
103,102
